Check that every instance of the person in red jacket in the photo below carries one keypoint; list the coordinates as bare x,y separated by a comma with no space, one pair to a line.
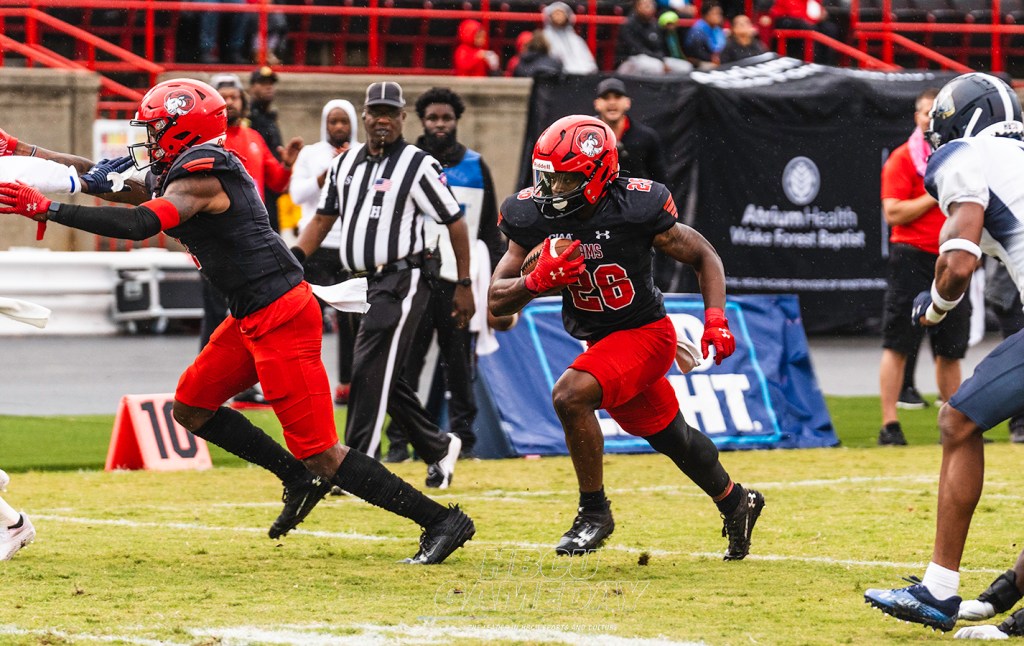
472,58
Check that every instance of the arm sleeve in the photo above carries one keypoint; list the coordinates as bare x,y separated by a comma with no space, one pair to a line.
304,189
489,233
136,223
957,174
47,176
432,195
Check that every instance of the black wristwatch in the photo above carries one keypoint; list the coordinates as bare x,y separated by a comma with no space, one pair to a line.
465,282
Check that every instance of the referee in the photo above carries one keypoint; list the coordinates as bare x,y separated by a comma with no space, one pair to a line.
383,190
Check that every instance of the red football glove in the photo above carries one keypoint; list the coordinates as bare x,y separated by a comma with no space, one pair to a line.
7,143
25,200
717,334
552,271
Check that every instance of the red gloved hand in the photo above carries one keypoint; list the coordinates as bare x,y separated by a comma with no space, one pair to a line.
24,200
717,334
7,144
555,271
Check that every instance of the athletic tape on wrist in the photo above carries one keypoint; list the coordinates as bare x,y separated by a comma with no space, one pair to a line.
165,211
961,244
933,315
942,303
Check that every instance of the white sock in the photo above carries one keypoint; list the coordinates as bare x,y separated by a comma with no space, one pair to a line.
8,515
942,583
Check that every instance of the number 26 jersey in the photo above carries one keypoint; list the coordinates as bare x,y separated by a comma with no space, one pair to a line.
616,290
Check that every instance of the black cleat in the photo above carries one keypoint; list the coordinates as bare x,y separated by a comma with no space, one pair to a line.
588,532
739,525
891,436
910,399
299,499
438,541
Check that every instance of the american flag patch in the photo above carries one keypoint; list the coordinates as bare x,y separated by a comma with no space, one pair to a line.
382,184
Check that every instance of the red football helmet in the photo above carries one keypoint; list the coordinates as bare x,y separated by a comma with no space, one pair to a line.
574,160
177,115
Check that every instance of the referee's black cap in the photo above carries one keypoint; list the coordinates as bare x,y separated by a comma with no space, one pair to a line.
385,93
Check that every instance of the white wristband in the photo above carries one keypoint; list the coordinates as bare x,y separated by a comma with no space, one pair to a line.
961,244
933,315
942,303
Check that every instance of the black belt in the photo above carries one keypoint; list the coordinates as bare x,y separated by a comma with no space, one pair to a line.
411,261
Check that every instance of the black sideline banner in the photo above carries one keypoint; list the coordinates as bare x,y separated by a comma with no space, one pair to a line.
788,160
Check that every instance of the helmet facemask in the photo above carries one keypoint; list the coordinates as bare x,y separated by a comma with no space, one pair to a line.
559,193
149,153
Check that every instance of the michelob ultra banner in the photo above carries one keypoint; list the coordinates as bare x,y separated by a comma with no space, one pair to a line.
764,396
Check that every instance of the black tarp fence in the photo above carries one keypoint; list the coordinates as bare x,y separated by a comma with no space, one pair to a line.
778,164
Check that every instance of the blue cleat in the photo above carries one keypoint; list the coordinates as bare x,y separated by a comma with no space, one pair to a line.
914,603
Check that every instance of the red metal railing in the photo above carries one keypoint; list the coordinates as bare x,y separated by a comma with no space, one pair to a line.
810,37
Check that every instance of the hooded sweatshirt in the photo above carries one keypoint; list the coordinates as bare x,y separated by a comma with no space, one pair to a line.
312,161
469,59
566,45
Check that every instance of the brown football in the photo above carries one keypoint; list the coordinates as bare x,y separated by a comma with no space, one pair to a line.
557,249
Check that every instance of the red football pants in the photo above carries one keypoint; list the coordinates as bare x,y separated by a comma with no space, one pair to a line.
278,346
630,366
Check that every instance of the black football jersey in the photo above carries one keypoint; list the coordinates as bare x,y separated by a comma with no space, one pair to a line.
236,250
616,292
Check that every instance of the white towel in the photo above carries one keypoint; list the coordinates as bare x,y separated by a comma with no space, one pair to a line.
24,312
486,341
688,355
347,296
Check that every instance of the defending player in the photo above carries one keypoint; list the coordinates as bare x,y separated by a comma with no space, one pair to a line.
203,196
611,303
976,175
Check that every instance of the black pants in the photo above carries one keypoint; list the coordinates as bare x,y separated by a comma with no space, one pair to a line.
323,267
458,359
385,339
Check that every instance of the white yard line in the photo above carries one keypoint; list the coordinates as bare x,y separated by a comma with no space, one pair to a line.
121,522
430,632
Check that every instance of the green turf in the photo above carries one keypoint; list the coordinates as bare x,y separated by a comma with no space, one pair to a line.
80,442
182,558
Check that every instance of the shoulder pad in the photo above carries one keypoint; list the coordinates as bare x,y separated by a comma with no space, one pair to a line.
200,159
519,211
646,198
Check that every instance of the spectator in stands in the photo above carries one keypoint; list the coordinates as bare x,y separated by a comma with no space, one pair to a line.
565,44
805,14
535,59
639,147
16,530
742,42
679,7
915,219
338,129
469,179
669,24
706,37
641,47
263,119
233,48
472,58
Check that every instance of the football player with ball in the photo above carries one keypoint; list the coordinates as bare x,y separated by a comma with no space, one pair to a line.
610,302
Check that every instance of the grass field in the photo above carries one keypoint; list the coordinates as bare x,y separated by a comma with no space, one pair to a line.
183,558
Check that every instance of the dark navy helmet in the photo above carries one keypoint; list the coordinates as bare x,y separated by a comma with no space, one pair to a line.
974,104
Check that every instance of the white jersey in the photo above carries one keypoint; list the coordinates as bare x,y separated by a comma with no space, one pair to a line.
988,171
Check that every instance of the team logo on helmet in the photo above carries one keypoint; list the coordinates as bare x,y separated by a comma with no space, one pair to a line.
801,181
590,141
944,107
179,103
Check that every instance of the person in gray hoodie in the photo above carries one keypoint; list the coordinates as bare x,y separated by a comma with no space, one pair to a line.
339,126
564,43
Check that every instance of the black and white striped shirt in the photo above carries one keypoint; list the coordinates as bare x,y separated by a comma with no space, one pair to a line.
382,203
